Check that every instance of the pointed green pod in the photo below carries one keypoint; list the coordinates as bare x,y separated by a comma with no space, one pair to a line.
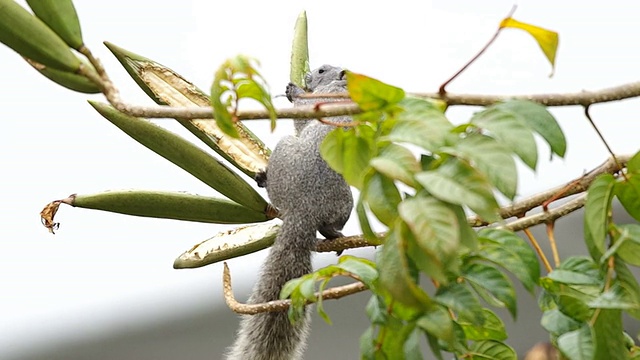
166,87
168,205
227,245
33,39
299,52
187,156
61,17
67,79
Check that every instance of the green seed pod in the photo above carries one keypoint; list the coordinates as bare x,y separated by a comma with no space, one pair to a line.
61,17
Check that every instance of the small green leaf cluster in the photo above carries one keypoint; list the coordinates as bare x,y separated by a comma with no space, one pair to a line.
422,200
584,298
238,78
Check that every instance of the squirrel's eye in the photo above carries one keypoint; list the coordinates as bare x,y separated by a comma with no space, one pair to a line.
320,71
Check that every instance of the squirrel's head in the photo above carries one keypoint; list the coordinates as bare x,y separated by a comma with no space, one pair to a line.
323,75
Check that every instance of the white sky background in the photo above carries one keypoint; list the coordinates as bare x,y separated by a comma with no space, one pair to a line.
101,270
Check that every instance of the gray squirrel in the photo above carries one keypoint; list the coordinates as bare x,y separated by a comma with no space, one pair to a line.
310,197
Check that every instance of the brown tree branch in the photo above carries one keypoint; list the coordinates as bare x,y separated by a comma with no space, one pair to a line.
280,305
518,208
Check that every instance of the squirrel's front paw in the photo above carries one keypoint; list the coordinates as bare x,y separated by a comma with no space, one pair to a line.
293,91
261,178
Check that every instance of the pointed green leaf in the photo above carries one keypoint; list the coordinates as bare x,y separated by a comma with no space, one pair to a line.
186,155
468,236
573,277
511,131
609,336
508,250
492,159
539,120
420,123
633,165
458,183
492,285
412,346
437,322
629,240
348,152
492,328
365,226
382,197
578,344
371,94
395,273
574,307
629,283
461,300
557,323
492,350
361,268
628,192
596,212
398,163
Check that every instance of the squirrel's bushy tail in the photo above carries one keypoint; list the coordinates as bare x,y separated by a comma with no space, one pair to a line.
271,336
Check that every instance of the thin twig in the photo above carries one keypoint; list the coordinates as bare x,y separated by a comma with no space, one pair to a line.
606,144
543,217
280,305
552,242
442,91
538,249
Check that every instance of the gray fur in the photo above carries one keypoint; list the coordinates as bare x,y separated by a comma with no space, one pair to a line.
310,197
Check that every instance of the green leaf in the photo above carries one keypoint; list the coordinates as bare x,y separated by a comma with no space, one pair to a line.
578,344
395,274
492,285
420,124
383,197
574,307
437,322
362,268
468,236
461,300
596,213
508,250
220,111
609,336
629,243
371,94
348,152
546,39
365,226
493,350
628,192
557,323
492,328
376,311
398,163
573,277
540,120
186,155
433,224
510,130
299,52
412,346
629,283
458,183
492,159
633,165
367,344
617,298
427,261
435,346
